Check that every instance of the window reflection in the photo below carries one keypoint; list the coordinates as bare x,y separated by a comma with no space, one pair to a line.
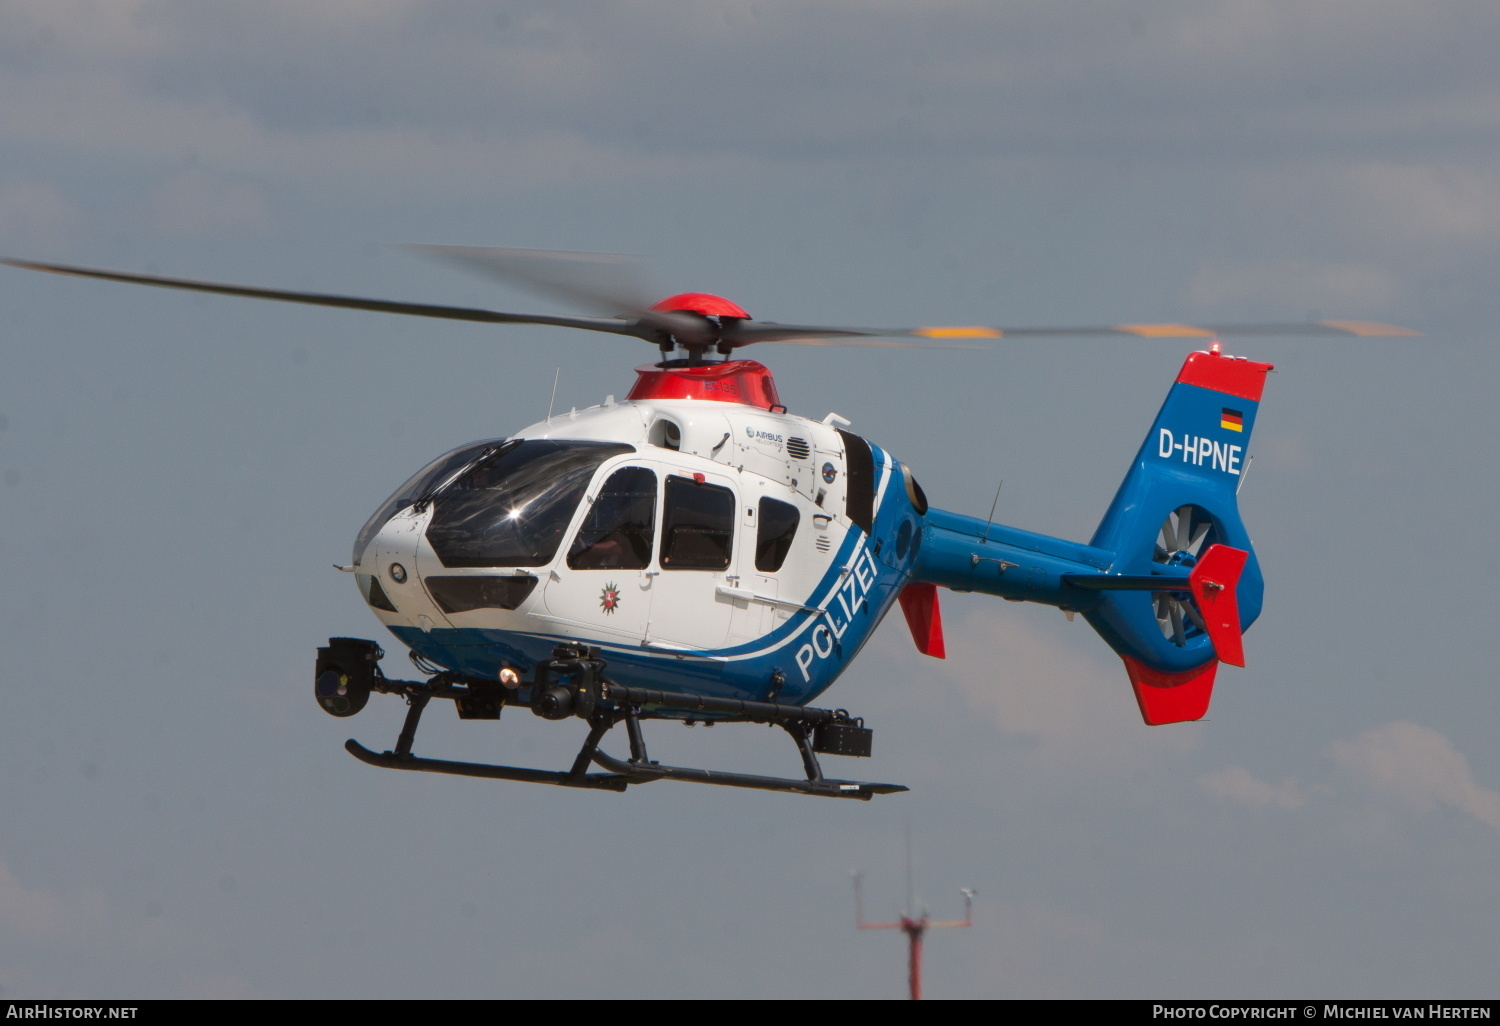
511,508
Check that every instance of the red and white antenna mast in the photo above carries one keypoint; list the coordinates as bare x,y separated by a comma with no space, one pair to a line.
912,923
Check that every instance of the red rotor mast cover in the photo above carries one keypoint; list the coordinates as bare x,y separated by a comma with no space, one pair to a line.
734,381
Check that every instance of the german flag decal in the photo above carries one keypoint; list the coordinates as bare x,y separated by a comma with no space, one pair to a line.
1232,420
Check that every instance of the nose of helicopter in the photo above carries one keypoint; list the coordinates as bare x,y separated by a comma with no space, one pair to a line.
390,570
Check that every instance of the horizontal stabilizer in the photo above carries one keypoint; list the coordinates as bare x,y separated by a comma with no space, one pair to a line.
1171,697
1123,582
920,604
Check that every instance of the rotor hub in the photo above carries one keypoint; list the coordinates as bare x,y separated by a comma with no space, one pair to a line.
703,304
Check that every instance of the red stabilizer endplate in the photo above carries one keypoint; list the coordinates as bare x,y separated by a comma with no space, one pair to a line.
920,604
1244,379
1171,697
1213,584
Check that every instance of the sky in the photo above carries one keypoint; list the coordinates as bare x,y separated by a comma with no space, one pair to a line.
178,472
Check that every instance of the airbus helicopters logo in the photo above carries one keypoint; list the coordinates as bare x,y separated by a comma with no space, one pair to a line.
1200,452
848,600
757,435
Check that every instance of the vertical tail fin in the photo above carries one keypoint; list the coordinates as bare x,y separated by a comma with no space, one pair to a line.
1176,516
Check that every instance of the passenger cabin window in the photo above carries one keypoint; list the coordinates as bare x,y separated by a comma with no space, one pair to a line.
773,540
697,526
859,481
619,528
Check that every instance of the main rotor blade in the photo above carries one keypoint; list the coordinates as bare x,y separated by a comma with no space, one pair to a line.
608,282
611,283
954,337
616,326
1308,329
747,332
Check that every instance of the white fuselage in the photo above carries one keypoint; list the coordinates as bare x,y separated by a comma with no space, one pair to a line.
695,613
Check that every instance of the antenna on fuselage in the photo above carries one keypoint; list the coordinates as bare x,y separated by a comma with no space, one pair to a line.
986,537
551,402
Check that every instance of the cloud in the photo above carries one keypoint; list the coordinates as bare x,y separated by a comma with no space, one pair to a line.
88,27
1429,203
62,942
97,115
37,914
1413,767
1236,784
33,213
780,79
197,203
1067,712
1418,768
1298,285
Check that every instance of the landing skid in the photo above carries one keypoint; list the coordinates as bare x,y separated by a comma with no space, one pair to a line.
390,760
577,688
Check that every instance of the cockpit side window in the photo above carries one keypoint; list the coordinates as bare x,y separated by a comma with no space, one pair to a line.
512,507
619,528
697,526
773,538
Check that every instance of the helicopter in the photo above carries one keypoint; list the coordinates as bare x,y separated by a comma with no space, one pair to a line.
696,552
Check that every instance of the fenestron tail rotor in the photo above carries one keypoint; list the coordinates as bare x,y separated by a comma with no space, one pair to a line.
1185,534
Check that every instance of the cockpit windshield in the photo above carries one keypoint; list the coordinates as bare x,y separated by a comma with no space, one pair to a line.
511,507
421,483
